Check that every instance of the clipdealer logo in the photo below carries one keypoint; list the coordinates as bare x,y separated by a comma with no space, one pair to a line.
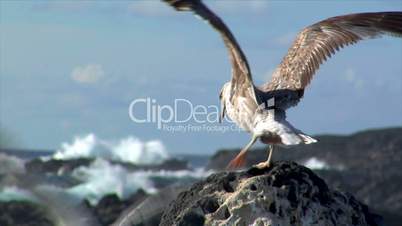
182,115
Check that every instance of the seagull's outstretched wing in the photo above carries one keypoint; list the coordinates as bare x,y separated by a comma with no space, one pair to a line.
241,76
320,41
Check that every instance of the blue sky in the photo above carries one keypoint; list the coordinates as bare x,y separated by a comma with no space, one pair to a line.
70,68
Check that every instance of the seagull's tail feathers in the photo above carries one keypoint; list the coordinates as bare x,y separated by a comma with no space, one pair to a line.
287,134
295,139
307,139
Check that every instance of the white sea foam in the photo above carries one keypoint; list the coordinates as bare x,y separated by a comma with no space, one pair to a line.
9,193
102,178
81,147
316,164
130,149
197,173
10,164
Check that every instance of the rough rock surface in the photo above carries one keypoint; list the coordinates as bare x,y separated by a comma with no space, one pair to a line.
111,206
149,211
21,213
284,194
366,164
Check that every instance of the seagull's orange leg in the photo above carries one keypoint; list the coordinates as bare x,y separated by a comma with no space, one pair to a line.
240,158
238,161
267,163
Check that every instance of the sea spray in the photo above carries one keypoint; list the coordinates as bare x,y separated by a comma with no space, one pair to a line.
318,164
80,147
130,149
102,178
9,193
106,175
11,165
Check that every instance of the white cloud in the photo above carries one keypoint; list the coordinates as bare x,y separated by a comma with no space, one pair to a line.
351,77
89,74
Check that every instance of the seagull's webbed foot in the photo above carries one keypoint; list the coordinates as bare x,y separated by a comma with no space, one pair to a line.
263,165
266,164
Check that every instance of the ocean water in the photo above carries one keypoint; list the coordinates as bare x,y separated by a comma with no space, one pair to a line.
103,176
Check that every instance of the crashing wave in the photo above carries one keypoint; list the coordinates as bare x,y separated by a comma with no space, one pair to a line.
11,164
318,164
130,149
102,178
9,193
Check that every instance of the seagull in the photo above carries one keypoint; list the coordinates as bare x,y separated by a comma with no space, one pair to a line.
261,110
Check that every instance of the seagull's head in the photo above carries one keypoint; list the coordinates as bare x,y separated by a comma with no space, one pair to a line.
223,95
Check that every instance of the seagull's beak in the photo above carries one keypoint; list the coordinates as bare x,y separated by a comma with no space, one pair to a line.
222,113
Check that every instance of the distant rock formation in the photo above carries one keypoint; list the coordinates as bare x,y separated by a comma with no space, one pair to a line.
58,166
285,194
374,148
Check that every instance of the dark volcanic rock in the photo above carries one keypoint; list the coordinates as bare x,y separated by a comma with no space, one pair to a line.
371,164
110,207
169,164
150,211
285,194
37,166
23,213
55,166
